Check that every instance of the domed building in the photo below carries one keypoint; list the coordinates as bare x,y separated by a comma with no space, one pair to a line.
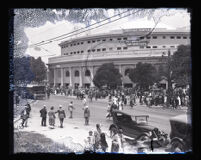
81,57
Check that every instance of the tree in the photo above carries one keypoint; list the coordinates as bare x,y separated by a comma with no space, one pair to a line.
39,69
28,69
22,70
180,65
107,75
144,75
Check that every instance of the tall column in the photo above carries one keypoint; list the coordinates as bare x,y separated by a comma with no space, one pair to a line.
54,76
48,76
81,76
92,75
62,77
120,69
71,76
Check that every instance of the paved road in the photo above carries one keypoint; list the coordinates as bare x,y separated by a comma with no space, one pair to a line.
158,117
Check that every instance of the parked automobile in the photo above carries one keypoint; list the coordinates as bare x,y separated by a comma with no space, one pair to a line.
134,127
181,133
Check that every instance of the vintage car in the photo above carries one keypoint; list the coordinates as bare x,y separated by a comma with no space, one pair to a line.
133,127
181,133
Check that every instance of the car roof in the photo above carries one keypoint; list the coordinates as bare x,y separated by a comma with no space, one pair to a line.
127,113
183,118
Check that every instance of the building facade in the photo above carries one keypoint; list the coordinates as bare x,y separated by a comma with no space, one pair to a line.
81,57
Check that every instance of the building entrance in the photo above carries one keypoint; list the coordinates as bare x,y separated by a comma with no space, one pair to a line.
87,85
128,85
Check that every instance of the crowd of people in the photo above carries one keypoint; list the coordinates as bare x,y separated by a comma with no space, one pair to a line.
131,96
97,141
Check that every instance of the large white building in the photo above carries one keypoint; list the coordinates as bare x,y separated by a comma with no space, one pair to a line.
81,57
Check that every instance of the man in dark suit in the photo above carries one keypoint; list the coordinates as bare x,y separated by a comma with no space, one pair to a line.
43,114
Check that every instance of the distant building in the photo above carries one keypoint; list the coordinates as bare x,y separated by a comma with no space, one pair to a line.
81,57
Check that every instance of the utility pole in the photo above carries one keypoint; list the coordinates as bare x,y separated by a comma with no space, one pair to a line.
169,89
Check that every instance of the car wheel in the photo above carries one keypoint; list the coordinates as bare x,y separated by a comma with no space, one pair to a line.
177,146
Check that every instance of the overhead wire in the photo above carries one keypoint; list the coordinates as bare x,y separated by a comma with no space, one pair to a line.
50,40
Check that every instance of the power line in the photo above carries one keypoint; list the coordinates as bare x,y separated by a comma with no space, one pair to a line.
86,26
50,40
88,29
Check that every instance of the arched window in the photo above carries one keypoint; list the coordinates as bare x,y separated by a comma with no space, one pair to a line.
127,72
77,74
67,74
87,73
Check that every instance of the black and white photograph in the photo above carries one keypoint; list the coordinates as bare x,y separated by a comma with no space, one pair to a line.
103,80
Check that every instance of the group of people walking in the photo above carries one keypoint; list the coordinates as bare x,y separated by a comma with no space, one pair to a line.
52,115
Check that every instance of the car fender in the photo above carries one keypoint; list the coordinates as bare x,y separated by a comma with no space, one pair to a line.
143,134
177,139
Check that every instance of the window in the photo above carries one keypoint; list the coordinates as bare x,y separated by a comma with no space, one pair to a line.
148,47
71,52
93,41
77,74
78,51
171,37
71,45
118,48
93,50
164,46
148,37
178,37
154,37
82,51
125,38
98,50
75,44
82,43
104,40
67,74
141,37
125,48
154,47
89,41
110,49
110,39
104,49
78,43
184,37
89,50
87,73
172,46
98,40
74,52
118,38
164,37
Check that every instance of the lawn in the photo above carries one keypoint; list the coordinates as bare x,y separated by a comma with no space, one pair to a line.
36,143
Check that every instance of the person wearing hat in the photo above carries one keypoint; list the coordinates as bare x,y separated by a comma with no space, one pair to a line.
115,142
28,109
70,108
43,115
86,115
61,115
89,142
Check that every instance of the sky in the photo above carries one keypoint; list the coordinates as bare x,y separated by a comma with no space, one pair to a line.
177,19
